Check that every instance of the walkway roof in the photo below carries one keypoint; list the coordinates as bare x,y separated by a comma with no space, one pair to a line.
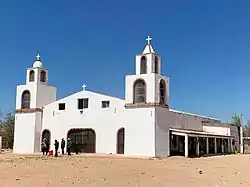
197,133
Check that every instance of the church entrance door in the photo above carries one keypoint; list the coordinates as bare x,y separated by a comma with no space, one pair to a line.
46,134
83,140
120,141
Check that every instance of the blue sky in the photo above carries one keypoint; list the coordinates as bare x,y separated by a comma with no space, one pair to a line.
204,45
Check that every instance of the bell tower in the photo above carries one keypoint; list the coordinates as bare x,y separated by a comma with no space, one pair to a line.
147,88
37,74
30,99
148,62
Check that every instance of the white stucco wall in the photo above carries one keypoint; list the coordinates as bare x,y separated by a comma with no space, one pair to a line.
104,121
27,132
140,132
45,95
138,123
162,125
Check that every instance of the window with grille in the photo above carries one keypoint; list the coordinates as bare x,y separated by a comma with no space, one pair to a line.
83,103
105,104
61,106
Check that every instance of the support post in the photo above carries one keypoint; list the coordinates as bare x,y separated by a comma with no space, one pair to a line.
186,145
197,147
207,145
222,146
230,146
241,140
215,145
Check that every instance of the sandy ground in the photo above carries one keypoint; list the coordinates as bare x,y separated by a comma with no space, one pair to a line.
37,171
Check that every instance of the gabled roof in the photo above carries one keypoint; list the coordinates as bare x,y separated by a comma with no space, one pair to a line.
87,93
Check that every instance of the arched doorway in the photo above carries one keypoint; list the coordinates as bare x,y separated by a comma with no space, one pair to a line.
46,134
83,140
120,141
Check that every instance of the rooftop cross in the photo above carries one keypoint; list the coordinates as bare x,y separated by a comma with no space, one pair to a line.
84,87
149,39
38,57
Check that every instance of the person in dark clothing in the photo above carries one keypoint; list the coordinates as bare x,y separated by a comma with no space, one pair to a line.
47,146
69,144
56,148
63,145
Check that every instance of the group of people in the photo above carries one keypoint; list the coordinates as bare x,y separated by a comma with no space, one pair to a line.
46,146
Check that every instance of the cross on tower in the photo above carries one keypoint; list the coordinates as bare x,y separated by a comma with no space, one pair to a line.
84,87
149,39
37,57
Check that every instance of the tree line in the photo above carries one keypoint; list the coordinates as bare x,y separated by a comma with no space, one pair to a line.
7,124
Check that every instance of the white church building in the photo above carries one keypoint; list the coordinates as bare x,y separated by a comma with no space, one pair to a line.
142,124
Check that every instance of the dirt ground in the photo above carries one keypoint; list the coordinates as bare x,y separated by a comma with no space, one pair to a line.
37,171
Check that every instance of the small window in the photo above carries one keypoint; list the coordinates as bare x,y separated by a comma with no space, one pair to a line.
86,103
43,76
105,104
80,103
32,76
156,70
83,103
143,65
61,106
162,91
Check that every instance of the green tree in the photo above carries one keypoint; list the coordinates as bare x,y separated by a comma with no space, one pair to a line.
7,130
236,120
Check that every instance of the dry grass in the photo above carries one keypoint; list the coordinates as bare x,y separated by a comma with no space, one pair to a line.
37,171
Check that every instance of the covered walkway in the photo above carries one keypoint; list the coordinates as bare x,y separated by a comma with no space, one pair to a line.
191,143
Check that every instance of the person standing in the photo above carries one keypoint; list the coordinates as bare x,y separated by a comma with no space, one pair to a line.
43,146
69,144
63,145
47,146
56,148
